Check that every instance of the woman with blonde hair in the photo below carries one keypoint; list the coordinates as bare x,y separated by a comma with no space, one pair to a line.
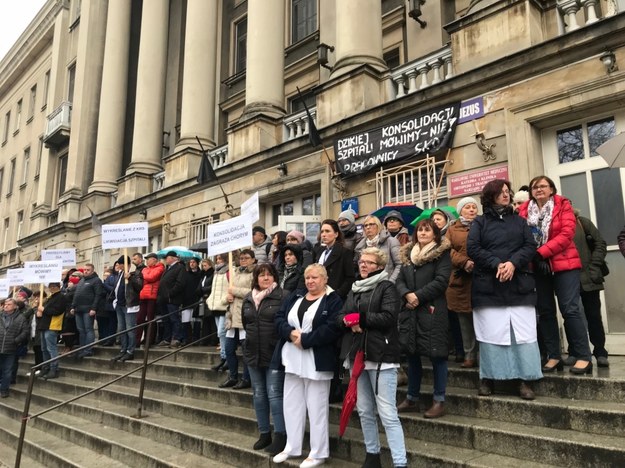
378,237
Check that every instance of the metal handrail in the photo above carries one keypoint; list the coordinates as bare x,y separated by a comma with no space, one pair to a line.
31,380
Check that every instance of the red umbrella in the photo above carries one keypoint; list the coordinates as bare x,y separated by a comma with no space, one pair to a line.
352,391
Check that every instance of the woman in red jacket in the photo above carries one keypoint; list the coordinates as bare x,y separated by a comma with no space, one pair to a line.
557,268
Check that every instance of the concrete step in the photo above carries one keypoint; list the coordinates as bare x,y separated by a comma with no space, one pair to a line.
7,458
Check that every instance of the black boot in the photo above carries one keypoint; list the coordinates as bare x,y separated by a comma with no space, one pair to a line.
372,460
278,444
263,441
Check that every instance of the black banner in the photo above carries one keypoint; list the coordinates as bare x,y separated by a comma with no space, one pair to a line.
426,133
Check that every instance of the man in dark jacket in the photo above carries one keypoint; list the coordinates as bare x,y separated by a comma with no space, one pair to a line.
87,300
170,297
127,314
49,324
13,332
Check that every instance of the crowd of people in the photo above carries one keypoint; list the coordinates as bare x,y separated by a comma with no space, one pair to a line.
480,288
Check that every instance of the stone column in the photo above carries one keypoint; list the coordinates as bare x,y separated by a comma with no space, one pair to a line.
110,146
147,139
198,86
264,82
358,35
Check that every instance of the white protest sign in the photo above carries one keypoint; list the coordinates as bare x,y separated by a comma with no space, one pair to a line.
251,208
231,234
43,272
67,256
16,277
4,288
119,236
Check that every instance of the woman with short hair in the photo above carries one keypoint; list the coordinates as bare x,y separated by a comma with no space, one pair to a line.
377,236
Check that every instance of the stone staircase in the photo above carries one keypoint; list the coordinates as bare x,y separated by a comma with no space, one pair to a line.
190,422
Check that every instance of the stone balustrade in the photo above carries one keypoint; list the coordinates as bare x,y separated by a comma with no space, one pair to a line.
421,73
218,156
296,125
574,14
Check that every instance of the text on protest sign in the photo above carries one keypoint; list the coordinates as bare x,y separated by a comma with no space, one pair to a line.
4,287
231,234
420,135
119,236
16,277
67,256
250,207
43,272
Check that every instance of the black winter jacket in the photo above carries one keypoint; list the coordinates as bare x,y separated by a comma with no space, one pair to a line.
378,310
323,337
89,294
495,239
192,281
133,288
260,330
171,288
428,280
340,268
13,335
55,305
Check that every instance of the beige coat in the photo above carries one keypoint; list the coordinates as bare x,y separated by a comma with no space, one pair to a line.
241,286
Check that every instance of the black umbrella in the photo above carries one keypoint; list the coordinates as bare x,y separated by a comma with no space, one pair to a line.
201,246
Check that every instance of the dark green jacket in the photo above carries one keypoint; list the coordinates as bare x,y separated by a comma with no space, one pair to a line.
592,250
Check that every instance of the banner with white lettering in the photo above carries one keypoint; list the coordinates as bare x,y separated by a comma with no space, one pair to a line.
423,134
231,234
43,272
251,208
67,256
119,236
16,277
4,288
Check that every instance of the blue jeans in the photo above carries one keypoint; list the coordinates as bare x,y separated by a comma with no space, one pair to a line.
565,285
6,367
415,373
220,323
268,386
50,348
231,357
126,321
84,323
385,403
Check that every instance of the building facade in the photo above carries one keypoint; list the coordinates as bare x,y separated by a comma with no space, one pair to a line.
104,106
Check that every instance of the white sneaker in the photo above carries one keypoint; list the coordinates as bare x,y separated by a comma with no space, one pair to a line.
281,457
311,462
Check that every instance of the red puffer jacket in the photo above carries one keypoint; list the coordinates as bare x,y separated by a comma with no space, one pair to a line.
151,280
559,248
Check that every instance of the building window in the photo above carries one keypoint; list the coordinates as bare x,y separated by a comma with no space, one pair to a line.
31,104
11,177
1,178
7,222
303,19
240,52
311,206
581,141
62,174
26,166
20,223
71,78
7,127
285,209
392,58
39,154
296,104
18,116
46,86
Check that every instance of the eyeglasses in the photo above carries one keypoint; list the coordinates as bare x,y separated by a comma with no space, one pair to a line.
367,262
541,187
368,225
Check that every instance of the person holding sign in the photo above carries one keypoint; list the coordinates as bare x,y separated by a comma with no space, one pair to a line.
50,323
13,332
87,300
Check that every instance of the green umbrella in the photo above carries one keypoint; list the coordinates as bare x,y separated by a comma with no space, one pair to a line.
427,213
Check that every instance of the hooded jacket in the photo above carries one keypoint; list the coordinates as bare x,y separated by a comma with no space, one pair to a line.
295,279
428,279
402,236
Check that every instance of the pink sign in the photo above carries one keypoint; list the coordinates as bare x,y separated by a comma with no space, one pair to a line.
473,181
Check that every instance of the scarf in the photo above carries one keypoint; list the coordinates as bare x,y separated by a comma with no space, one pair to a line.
539,220
289,270
370,282
465,221
419,252
373,242
258,296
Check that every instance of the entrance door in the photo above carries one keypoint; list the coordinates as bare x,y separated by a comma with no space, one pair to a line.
309,225
597,191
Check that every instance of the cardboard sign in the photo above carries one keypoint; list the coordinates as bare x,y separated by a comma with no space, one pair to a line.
251,208
231,234
472,182
67,256
16,277
119,236
43,272
4,288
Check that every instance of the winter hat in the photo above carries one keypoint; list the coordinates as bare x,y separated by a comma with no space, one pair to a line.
171,253
151,255
348,215
393,214
463,202
260,229
521,196
26,290
297,235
